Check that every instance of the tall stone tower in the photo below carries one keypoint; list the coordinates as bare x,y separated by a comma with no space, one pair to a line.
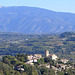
46,53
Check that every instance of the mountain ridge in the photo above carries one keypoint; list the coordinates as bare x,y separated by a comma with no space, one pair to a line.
25,19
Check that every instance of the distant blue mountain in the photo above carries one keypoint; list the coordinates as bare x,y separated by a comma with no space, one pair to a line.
35,20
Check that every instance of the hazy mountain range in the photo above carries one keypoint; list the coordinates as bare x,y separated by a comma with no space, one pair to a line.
35,20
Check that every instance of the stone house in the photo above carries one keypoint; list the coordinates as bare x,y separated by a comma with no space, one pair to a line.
53,56
64,60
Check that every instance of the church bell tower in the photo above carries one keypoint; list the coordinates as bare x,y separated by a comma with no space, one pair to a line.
46,53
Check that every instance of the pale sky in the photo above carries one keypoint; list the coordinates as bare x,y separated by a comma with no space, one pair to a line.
55,5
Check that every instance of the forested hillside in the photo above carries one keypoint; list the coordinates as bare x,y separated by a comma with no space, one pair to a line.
63,45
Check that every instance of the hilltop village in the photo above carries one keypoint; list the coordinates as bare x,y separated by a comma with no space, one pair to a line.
60,64
47,64
35,57
57,63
